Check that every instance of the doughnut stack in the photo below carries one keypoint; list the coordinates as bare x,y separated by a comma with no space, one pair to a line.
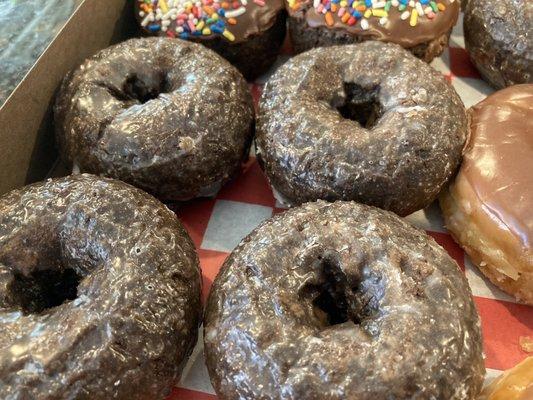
338,297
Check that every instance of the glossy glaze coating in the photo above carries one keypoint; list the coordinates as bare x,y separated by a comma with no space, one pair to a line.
166,115
310,151
342,301
427,39
125,331
498,38
488,205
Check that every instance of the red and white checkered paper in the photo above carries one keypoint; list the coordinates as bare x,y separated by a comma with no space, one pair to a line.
218,225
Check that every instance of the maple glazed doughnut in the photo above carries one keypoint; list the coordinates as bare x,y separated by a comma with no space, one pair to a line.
487,208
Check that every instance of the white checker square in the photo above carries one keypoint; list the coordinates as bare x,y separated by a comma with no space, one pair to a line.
195,375
428,219
442,63
481,286
230,222
457,38
471,90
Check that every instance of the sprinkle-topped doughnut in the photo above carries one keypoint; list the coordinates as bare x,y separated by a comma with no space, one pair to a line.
230,19
248,33
408,23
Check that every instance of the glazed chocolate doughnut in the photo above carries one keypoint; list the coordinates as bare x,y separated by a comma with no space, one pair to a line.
487,207
166,115
99,292
498,40
421,27
342,301
389,134
249,34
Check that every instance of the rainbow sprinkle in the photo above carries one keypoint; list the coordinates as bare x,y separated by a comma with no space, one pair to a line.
193,18
350,12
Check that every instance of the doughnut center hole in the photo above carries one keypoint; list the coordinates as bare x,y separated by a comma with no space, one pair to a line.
145,88
338,298
44,289
360,104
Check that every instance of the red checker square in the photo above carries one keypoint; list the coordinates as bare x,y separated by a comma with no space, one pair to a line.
503,324
251,186
256,89
186,394
210,262
453,249
287,48
461,65
195,217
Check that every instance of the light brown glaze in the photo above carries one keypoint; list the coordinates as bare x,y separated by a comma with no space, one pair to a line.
488,206
499,159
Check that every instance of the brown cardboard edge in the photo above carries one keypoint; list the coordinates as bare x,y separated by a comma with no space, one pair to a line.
27,150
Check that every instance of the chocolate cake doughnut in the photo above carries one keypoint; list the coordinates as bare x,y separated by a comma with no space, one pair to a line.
423,27
341,301
487,207
498,40
388,135
99,292
166,115
248,33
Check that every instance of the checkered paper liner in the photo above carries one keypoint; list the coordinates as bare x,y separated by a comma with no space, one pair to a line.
218,225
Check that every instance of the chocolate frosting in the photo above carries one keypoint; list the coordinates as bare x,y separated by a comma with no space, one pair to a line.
499,158
396,30
256,20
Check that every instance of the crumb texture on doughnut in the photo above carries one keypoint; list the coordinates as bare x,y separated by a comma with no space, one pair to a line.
99,292
488,206
498,38
342,301
166,115
366,122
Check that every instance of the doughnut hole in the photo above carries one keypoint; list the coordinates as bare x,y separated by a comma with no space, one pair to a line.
43,289
359,103
43,268
146,87
337,296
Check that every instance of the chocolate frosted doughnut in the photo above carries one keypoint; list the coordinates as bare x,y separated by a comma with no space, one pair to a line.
342,301
498,40
99,292
249,34
166,115
420,26
366,122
